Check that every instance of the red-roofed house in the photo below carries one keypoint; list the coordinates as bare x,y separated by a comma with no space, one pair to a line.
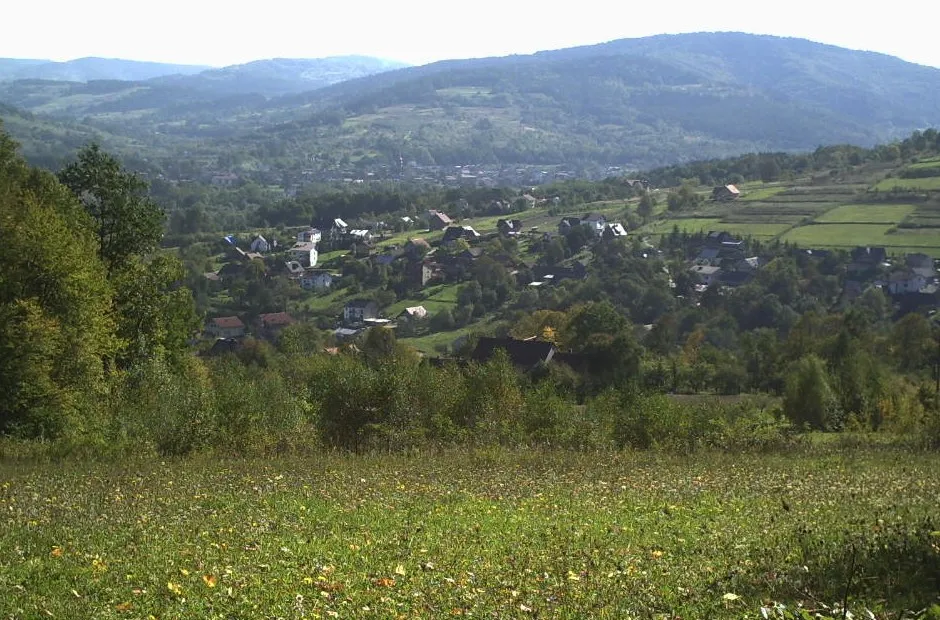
271,324
226,327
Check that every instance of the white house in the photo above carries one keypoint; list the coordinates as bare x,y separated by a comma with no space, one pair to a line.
361,235
304,253
260,245
316,280
596,222
311,235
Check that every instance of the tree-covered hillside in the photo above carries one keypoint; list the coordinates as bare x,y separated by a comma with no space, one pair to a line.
637,103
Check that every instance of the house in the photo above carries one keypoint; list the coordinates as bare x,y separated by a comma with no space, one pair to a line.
260,244
358,310
708,274
226,327
316,280
524,354
869,255
725,192
414,313
361,235
614,231
567,223
304,253
708,256
416,248
470,254
460,232
272,323
717,239
921,264
311,235
294,268
212,276
905,281
344,333
509,227
438,220
419,274
596,222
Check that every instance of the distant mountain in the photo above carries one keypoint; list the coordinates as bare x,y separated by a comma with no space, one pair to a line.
10,67
645,101
280,76
88,69
634,102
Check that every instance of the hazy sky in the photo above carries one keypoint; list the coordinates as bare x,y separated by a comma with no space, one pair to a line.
219,33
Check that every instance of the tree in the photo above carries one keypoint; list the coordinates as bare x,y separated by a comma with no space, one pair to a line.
809,400
155,313
56,329
646,206
127,221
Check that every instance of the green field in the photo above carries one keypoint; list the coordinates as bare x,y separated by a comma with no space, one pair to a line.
487,534
851,235
867,214
761,193
693,225
928,183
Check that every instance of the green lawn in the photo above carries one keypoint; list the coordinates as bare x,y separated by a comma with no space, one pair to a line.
929,183
437,298
867,214
492,534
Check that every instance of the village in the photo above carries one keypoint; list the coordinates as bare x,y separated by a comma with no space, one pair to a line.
376,277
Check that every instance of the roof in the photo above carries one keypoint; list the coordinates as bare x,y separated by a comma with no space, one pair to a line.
419,242
594,217
707,254
338,223
440,216
275,319
473,252
732,189
359,232
705,269
526,353
212,276
303,247
261,238
919,260
416,312
616,230
227,322
360,303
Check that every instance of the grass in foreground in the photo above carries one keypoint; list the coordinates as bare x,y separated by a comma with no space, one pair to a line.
496,534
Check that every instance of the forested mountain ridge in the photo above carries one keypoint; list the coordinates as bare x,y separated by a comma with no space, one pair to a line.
636,103
91,68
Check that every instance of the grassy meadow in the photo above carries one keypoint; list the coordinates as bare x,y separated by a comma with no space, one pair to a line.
486,533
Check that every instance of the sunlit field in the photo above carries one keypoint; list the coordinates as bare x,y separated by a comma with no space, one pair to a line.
484,534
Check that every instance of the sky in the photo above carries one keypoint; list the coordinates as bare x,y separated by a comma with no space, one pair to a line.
217,33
